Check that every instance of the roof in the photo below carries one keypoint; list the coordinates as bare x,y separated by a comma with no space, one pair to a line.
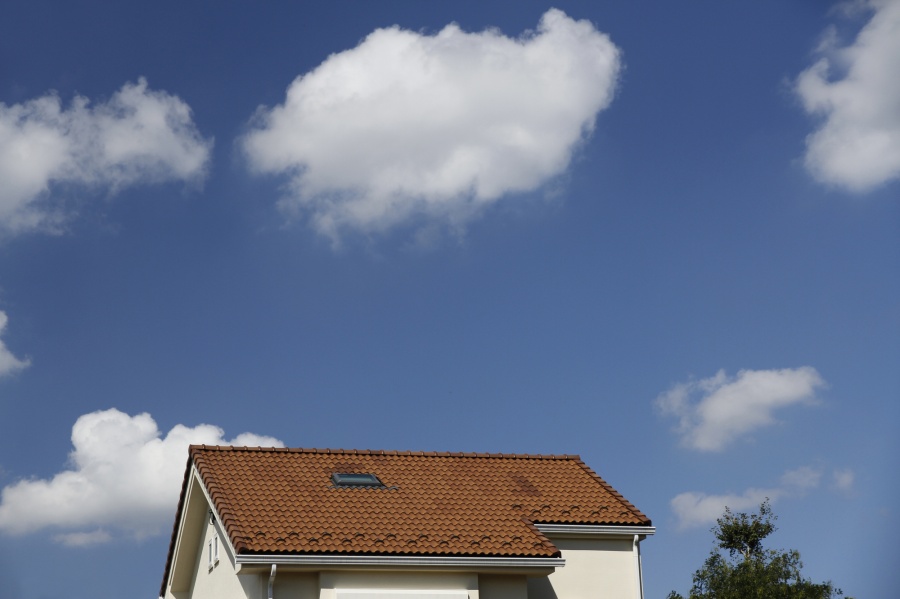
283,501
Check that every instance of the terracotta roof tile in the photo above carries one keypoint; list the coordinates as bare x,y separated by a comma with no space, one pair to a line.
283,501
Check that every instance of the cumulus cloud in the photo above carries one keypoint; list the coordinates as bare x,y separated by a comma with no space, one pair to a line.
124,477
858,144
8,362
698,509
715,411
415,127
138,136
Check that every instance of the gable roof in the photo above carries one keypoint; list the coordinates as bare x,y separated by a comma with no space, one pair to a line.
283,501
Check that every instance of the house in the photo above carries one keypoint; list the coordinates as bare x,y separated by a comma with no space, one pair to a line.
256,523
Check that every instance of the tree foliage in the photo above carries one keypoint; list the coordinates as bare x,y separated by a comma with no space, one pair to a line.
750,571
742,534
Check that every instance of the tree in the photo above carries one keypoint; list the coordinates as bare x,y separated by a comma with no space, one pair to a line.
749,571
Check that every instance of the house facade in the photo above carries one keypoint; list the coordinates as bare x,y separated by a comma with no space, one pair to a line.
259,523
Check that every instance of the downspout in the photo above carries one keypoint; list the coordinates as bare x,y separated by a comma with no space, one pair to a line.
272,580
638,576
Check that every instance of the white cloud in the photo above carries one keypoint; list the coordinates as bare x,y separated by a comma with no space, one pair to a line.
138,136
408,126
123,476
801,479
715,411
698,509
8,362
83,539
843,479
858,145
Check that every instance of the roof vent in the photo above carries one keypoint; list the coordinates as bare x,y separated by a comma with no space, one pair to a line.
355,479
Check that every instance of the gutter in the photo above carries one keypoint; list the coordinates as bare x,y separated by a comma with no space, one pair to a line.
397,561
594,530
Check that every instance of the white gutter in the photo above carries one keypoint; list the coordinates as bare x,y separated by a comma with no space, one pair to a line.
272,581
399,560
638,576
579,530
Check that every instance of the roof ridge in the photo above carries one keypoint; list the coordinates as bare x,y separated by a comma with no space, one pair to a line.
386,452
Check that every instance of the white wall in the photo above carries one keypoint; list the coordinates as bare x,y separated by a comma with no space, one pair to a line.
221,581
399,580
595,569
496,586
295,585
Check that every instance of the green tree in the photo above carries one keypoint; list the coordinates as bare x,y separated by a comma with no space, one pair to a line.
749,571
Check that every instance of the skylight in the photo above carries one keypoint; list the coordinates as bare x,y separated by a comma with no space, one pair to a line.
354,479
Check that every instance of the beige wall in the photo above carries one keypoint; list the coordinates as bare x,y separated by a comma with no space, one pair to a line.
503,587
443,581
394,585
295,585
595,569
221,581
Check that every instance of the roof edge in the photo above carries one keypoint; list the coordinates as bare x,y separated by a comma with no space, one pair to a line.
178,511
594,530
405,560
385,452
616,494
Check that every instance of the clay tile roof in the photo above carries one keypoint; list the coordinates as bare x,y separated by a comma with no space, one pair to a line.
283,501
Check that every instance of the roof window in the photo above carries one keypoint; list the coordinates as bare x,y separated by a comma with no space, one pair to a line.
355,479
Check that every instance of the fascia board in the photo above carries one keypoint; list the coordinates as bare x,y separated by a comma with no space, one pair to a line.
594,530
220,527
179,536
195,478
402,561
186,550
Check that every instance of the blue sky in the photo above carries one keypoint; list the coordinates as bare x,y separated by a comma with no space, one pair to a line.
664,236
